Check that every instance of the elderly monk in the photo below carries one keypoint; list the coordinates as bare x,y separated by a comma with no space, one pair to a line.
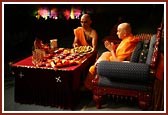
85,35
122,53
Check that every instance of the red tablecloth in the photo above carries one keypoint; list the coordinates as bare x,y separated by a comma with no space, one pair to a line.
57,87
27,62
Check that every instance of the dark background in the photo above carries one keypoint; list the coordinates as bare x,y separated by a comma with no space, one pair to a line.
21,27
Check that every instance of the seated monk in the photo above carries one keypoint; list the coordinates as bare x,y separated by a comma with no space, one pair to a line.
122,53
85,35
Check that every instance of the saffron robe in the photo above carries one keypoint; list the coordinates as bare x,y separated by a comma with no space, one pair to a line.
79,33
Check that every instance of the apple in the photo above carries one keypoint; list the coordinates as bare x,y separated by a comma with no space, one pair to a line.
46,57
39,64
72,62
48,64
59,64
50,55
66,63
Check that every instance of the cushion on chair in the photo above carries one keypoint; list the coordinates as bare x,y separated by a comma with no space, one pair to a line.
136,53
125,71
151,49
107,82
144,52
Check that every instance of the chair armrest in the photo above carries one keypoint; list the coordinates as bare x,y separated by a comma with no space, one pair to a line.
124,71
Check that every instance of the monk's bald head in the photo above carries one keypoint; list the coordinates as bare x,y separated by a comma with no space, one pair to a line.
124,30
85,21
125,27
86,16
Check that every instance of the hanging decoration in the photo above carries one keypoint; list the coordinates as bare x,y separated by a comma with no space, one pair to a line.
54,13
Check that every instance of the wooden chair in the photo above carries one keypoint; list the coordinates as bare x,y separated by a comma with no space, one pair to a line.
134,79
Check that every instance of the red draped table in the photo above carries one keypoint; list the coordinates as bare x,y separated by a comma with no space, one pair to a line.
57,87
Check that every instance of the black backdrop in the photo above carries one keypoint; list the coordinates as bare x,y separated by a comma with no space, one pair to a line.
21,27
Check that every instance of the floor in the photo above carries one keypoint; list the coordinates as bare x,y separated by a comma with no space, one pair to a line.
86,104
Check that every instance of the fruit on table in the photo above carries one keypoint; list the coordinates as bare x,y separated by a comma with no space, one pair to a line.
83,49
48,64
47,56
66,51
61,58
72,62
59,64
57,60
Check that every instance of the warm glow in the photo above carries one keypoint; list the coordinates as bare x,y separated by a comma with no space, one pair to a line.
67,14
43,12
54,13
72,13
77,13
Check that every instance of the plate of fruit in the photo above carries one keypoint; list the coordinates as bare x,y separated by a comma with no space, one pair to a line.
83,49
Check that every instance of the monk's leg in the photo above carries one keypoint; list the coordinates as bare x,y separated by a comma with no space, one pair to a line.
104,57
92,70
90,76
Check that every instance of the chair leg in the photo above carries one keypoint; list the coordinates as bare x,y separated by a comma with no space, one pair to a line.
143,105
98,100
144,101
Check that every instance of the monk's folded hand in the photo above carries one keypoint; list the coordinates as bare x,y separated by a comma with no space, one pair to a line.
109,45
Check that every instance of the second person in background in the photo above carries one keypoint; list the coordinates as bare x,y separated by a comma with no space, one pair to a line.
85,35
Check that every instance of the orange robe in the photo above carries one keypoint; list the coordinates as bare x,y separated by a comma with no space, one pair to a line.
125,48
79,33
123,52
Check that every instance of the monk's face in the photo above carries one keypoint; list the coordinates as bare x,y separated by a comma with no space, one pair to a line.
85,21
121,32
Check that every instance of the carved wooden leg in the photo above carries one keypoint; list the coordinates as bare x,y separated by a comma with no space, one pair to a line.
97,99
144,105
144,101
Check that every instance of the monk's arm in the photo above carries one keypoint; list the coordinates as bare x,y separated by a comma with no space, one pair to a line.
94,40
110,47
75,43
